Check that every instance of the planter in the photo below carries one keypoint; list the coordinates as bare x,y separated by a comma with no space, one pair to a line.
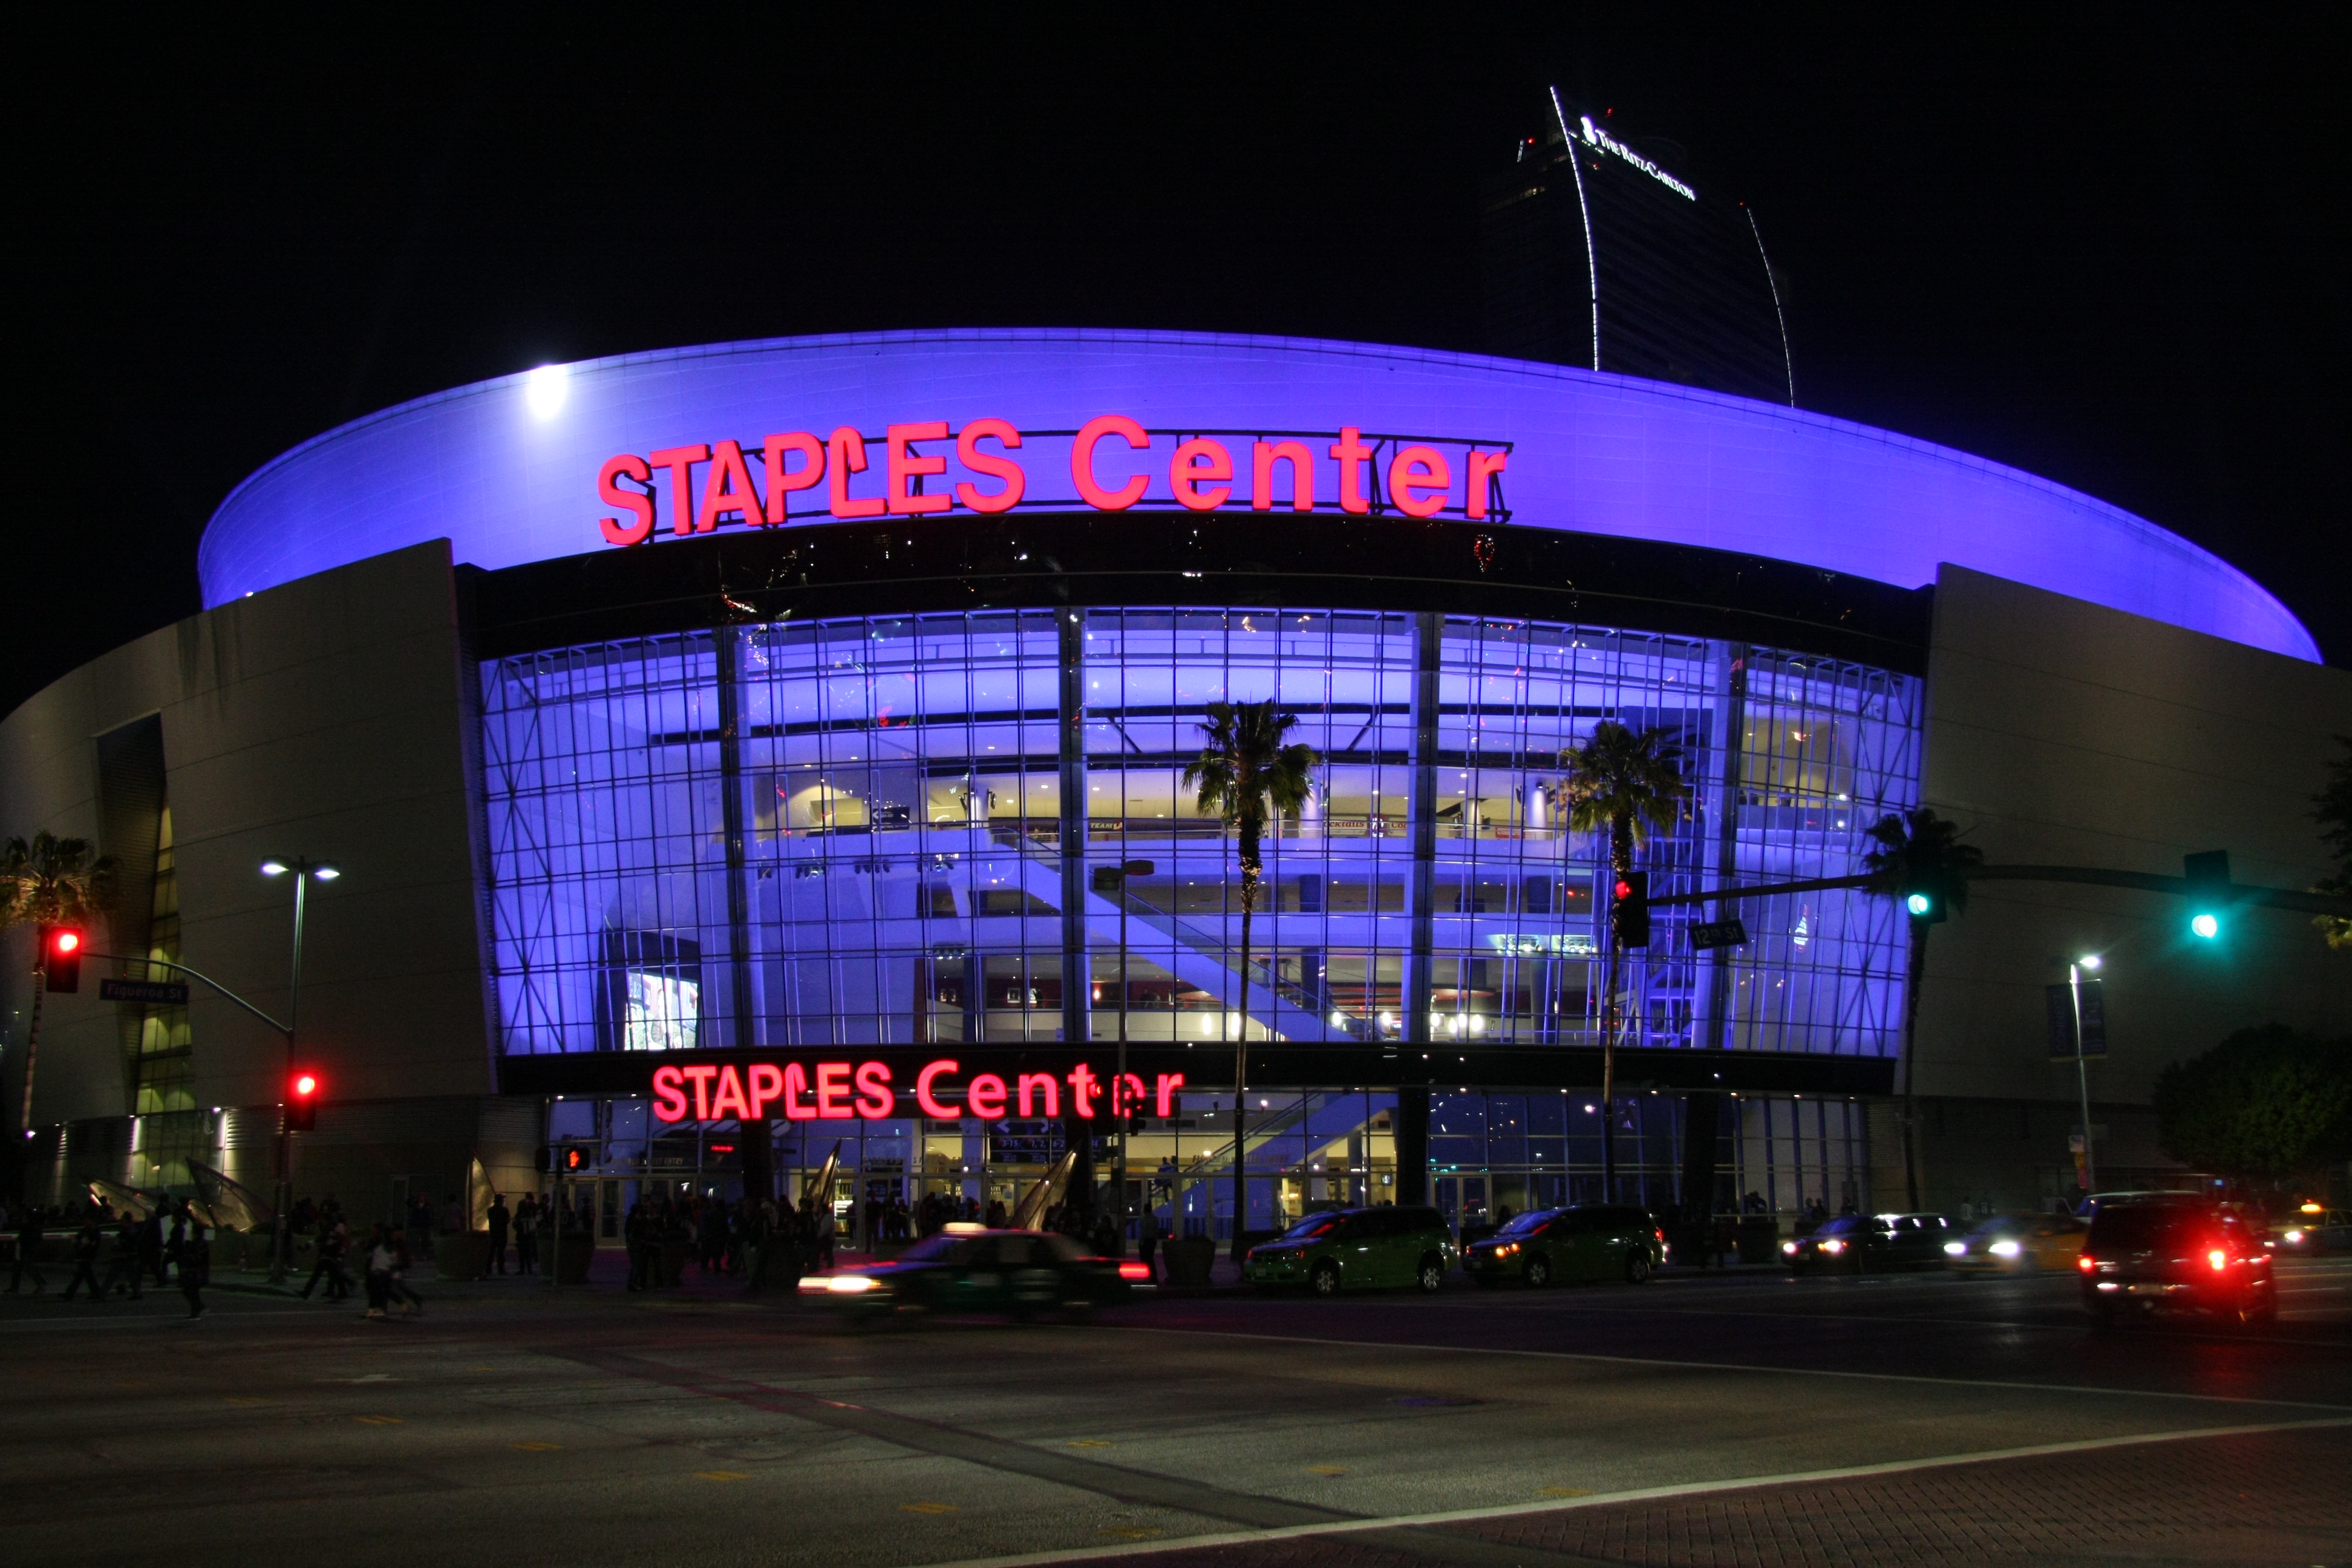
568,1258
462,1254
1760,1239
1186,1259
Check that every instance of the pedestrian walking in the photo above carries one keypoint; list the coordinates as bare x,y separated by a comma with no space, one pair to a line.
381,1261
334,1243
150,1247
526,1235
195,1268
29,1238
411,1303
1147,1239
87,1243
500,1218
122,1265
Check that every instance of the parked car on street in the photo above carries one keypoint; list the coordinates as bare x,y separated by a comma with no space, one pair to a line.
966,1268
1864,1242
1350,1249
2178,1252
2018,1243
1589,1241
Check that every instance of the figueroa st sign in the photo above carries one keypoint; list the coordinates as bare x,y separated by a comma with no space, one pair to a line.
1113,462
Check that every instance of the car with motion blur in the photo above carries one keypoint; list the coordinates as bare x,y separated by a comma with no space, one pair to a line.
2312,1229
1355,1249
1868,1243
969,1269
2018,1243
2178,1252
1569,1245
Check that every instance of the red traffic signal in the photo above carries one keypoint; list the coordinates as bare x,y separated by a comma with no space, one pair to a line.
1629,909
61,957
303,1090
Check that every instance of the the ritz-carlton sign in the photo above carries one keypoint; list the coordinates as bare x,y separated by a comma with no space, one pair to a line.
1113,464
846,1091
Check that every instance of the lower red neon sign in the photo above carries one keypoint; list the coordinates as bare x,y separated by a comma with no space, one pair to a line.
846,1091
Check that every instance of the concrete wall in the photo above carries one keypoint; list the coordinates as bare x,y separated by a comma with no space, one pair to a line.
326,718
2064,731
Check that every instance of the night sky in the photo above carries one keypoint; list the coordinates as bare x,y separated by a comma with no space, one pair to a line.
2107,248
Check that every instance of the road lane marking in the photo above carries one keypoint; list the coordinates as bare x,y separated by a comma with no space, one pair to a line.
536,1447
379,1420
1563,1491
1718,1366
722,1475
1326,1469
929,1508
1635,1494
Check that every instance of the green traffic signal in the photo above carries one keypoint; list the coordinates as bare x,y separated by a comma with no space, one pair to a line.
1919,903
2207,926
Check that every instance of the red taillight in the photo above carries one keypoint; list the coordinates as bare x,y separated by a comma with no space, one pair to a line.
2218,1259
1134,1269
1659,1234
2084,1263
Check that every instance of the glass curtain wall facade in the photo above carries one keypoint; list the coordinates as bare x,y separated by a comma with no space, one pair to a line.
882,829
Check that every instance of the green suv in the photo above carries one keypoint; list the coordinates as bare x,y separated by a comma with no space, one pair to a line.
1593,1241
1356,1250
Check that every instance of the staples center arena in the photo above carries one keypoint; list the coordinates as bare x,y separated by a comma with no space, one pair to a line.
722,750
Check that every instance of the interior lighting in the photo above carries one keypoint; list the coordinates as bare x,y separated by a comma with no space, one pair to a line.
546,390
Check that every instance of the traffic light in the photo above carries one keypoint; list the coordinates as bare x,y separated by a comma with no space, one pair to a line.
2209,891
303,1088
1629,909
1924,901
61,957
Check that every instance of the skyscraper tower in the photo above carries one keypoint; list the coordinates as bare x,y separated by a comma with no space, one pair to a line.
1597,252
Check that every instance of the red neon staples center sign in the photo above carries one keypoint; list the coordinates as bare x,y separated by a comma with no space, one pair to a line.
988,466
847,1091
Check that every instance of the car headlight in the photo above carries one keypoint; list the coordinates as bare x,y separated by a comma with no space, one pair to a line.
1506,1250
2293,1237
1789,1247
2004,1250
1834,1246
1960,1249
849,1284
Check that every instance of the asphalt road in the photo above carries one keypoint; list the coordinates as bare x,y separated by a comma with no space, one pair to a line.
1700,1419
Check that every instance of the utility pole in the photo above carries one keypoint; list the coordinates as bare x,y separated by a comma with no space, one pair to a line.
302,870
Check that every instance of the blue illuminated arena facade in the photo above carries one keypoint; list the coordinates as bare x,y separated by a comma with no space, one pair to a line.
799,728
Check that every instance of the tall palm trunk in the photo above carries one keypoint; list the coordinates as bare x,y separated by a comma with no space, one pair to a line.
1241,1053
32,1042
1917,971
1612,1012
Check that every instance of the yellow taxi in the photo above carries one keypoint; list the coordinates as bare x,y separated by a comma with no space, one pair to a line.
2018,1243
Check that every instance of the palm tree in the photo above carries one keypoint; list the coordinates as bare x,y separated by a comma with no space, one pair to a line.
1248,775
1623,784
1919,852
49,881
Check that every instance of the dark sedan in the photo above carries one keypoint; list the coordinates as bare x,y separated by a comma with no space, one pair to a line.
1596,1241
2176,1254
967,1270
1863,1243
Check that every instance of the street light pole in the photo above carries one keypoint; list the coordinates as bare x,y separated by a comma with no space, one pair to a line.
2081,1072
303,870
1113,880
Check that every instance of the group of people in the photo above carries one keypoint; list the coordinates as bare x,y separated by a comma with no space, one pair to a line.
755,1241
168,1240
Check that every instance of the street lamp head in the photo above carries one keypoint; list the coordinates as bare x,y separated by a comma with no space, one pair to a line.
2089,960
274,867
325,873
